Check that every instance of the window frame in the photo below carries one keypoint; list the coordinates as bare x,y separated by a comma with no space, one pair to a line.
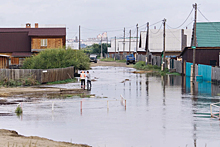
43,42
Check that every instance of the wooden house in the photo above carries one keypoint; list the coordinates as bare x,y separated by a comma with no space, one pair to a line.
208,45
18,43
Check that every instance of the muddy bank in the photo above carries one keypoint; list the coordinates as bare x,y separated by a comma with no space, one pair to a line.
12,138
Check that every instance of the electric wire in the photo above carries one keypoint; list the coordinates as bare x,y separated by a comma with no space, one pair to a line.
183,22
209,21
173,35
157,31
155,23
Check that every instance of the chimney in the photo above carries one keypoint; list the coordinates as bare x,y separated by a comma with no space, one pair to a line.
36,25
28,25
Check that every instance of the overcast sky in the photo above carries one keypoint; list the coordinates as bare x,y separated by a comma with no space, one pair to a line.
98,16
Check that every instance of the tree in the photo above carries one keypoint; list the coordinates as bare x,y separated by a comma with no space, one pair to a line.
58,58
96,49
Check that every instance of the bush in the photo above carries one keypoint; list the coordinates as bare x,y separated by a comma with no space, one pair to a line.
18,110
28,81
140,65
58,58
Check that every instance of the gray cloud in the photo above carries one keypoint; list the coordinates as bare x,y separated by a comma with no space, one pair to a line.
102,15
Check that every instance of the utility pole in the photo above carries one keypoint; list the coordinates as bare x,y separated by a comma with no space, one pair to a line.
124,43
107,47
147,43
79,38
164,36
194,43
130,42
101,49
137,42
115,47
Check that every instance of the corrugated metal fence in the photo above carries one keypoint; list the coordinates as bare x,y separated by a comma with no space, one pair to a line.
41,75
178,66
205,71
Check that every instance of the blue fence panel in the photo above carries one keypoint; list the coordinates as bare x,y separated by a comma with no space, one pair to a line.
188,68
205,71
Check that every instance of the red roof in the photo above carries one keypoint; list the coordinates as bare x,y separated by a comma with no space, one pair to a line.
21,54
36,31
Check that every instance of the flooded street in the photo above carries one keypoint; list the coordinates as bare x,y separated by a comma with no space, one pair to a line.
159,111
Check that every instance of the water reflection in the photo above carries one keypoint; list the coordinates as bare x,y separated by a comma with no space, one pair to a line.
202,88
161,111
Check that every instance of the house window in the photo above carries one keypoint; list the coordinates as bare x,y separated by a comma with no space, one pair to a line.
43,42
9,61
21,60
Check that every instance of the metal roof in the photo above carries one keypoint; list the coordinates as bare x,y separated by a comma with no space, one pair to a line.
36,31
21,54
208,34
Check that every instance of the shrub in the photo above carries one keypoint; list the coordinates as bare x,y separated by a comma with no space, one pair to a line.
18,110
58,58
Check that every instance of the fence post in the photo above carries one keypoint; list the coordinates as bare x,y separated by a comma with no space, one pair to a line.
52,106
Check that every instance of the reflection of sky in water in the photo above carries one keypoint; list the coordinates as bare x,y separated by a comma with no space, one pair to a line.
156,114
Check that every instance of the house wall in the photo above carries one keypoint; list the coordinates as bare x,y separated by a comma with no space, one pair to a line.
176,39
203,56
51,43
4,62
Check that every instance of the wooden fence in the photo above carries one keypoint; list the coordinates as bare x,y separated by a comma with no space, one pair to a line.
41,75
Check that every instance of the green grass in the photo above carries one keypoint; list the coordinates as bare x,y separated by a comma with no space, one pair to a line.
141,65
18,110
63,82
27,81
108,59
112,60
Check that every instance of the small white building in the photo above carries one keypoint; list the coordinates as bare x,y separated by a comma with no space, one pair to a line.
175,41
120,46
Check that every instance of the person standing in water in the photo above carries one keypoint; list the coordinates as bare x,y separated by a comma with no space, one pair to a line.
88,81
83,77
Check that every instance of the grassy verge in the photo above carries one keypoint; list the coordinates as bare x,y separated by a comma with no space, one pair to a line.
63,82
28,81
112,60
154,68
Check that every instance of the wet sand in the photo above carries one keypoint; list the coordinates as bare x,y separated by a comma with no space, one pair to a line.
12,138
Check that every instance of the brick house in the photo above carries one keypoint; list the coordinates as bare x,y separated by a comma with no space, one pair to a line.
18,43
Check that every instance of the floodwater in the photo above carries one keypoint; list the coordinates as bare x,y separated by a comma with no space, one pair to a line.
159,112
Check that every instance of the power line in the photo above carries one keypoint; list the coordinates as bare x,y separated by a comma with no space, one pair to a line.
157,31
183,22
210,22
174,35
156,23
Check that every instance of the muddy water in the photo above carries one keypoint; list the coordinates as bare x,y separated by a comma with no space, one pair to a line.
160,111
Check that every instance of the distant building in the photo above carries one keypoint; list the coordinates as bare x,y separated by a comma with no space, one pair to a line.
120,47
176,40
